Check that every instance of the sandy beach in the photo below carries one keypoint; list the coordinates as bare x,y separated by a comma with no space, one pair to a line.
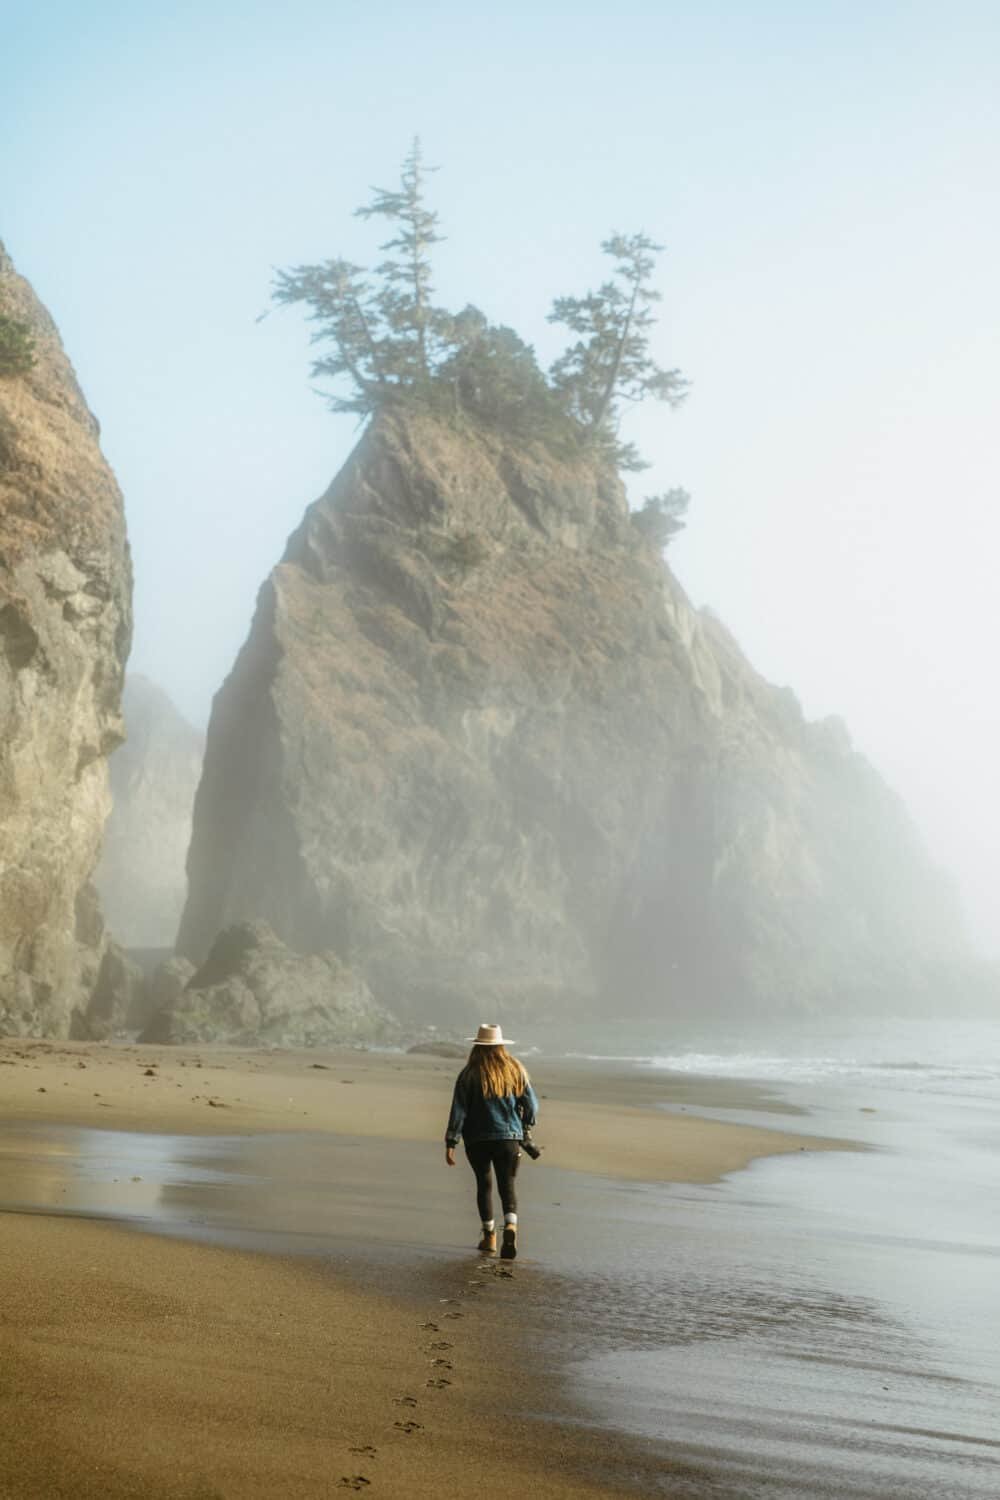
243,1274
597,1117
136,1366
141,1365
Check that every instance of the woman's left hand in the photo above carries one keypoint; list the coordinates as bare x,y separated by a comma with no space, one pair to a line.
449,1155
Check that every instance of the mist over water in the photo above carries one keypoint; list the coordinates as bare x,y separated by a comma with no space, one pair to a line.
913,1056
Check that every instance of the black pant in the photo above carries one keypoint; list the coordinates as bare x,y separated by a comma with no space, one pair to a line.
502,1157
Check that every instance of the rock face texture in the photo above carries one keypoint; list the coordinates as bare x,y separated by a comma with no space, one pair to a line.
252,989
141,877
161,986
65,626
480,746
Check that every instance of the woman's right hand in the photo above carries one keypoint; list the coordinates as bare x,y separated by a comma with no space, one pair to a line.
449,1155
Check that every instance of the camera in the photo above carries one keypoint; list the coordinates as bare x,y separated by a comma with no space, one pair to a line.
526,1143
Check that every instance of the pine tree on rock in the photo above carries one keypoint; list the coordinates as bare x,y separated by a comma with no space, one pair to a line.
610,362
495,375
384,341
404,299
342,304
384,336
662,517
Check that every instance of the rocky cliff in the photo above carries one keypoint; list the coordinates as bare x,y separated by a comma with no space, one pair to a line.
252,989
480,746
141,877
65,622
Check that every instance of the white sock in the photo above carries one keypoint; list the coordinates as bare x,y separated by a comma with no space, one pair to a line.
510,1221
489,1225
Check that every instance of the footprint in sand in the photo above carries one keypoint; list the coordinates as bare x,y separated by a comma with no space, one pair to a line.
409,1426
354,1481
365,1450
442,1364
439,1344
454,1315
437,1383
404,1401
431,1327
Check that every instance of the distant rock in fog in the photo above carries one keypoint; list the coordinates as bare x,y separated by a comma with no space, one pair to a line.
65,626
141,877
479,745
251,989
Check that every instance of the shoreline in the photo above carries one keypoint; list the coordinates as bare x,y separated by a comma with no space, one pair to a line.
606,1120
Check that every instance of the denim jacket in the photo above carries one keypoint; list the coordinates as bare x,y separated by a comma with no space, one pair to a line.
476,1118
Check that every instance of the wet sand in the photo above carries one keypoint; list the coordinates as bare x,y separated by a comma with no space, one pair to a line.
140,1367
596,1118
370,1350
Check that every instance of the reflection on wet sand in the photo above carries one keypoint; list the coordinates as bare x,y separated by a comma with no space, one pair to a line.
108,1173
232,1188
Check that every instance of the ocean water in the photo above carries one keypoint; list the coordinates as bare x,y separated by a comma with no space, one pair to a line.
827,1325
958,1057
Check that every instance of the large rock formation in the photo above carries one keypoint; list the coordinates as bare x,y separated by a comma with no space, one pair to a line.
65,623
480,745
154,776
251,988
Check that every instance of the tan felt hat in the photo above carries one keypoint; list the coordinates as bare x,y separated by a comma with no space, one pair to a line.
489,1035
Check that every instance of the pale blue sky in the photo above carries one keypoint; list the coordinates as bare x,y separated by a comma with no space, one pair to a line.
823,174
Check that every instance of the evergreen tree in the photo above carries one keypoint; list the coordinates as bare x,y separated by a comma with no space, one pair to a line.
404,298
341,301
494,374
610,362
384,340
662,517
387,338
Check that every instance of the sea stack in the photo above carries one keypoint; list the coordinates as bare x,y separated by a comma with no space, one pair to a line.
480,746
65,627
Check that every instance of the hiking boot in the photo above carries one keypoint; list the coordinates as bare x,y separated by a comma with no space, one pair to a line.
508,1250
488,1244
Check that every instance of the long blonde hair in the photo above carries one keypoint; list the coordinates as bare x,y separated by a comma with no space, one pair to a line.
498,1073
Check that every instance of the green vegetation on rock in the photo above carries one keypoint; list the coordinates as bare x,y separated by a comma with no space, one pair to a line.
661,517
610,362
385,341
17,346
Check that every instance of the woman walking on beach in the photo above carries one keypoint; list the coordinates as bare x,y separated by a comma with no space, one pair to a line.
492,1106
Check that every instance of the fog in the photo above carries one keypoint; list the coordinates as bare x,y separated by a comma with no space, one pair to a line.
823,177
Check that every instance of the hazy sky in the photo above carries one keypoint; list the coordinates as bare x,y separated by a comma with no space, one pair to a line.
823,174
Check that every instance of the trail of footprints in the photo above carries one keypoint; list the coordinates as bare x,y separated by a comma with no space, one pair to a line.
440,1365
